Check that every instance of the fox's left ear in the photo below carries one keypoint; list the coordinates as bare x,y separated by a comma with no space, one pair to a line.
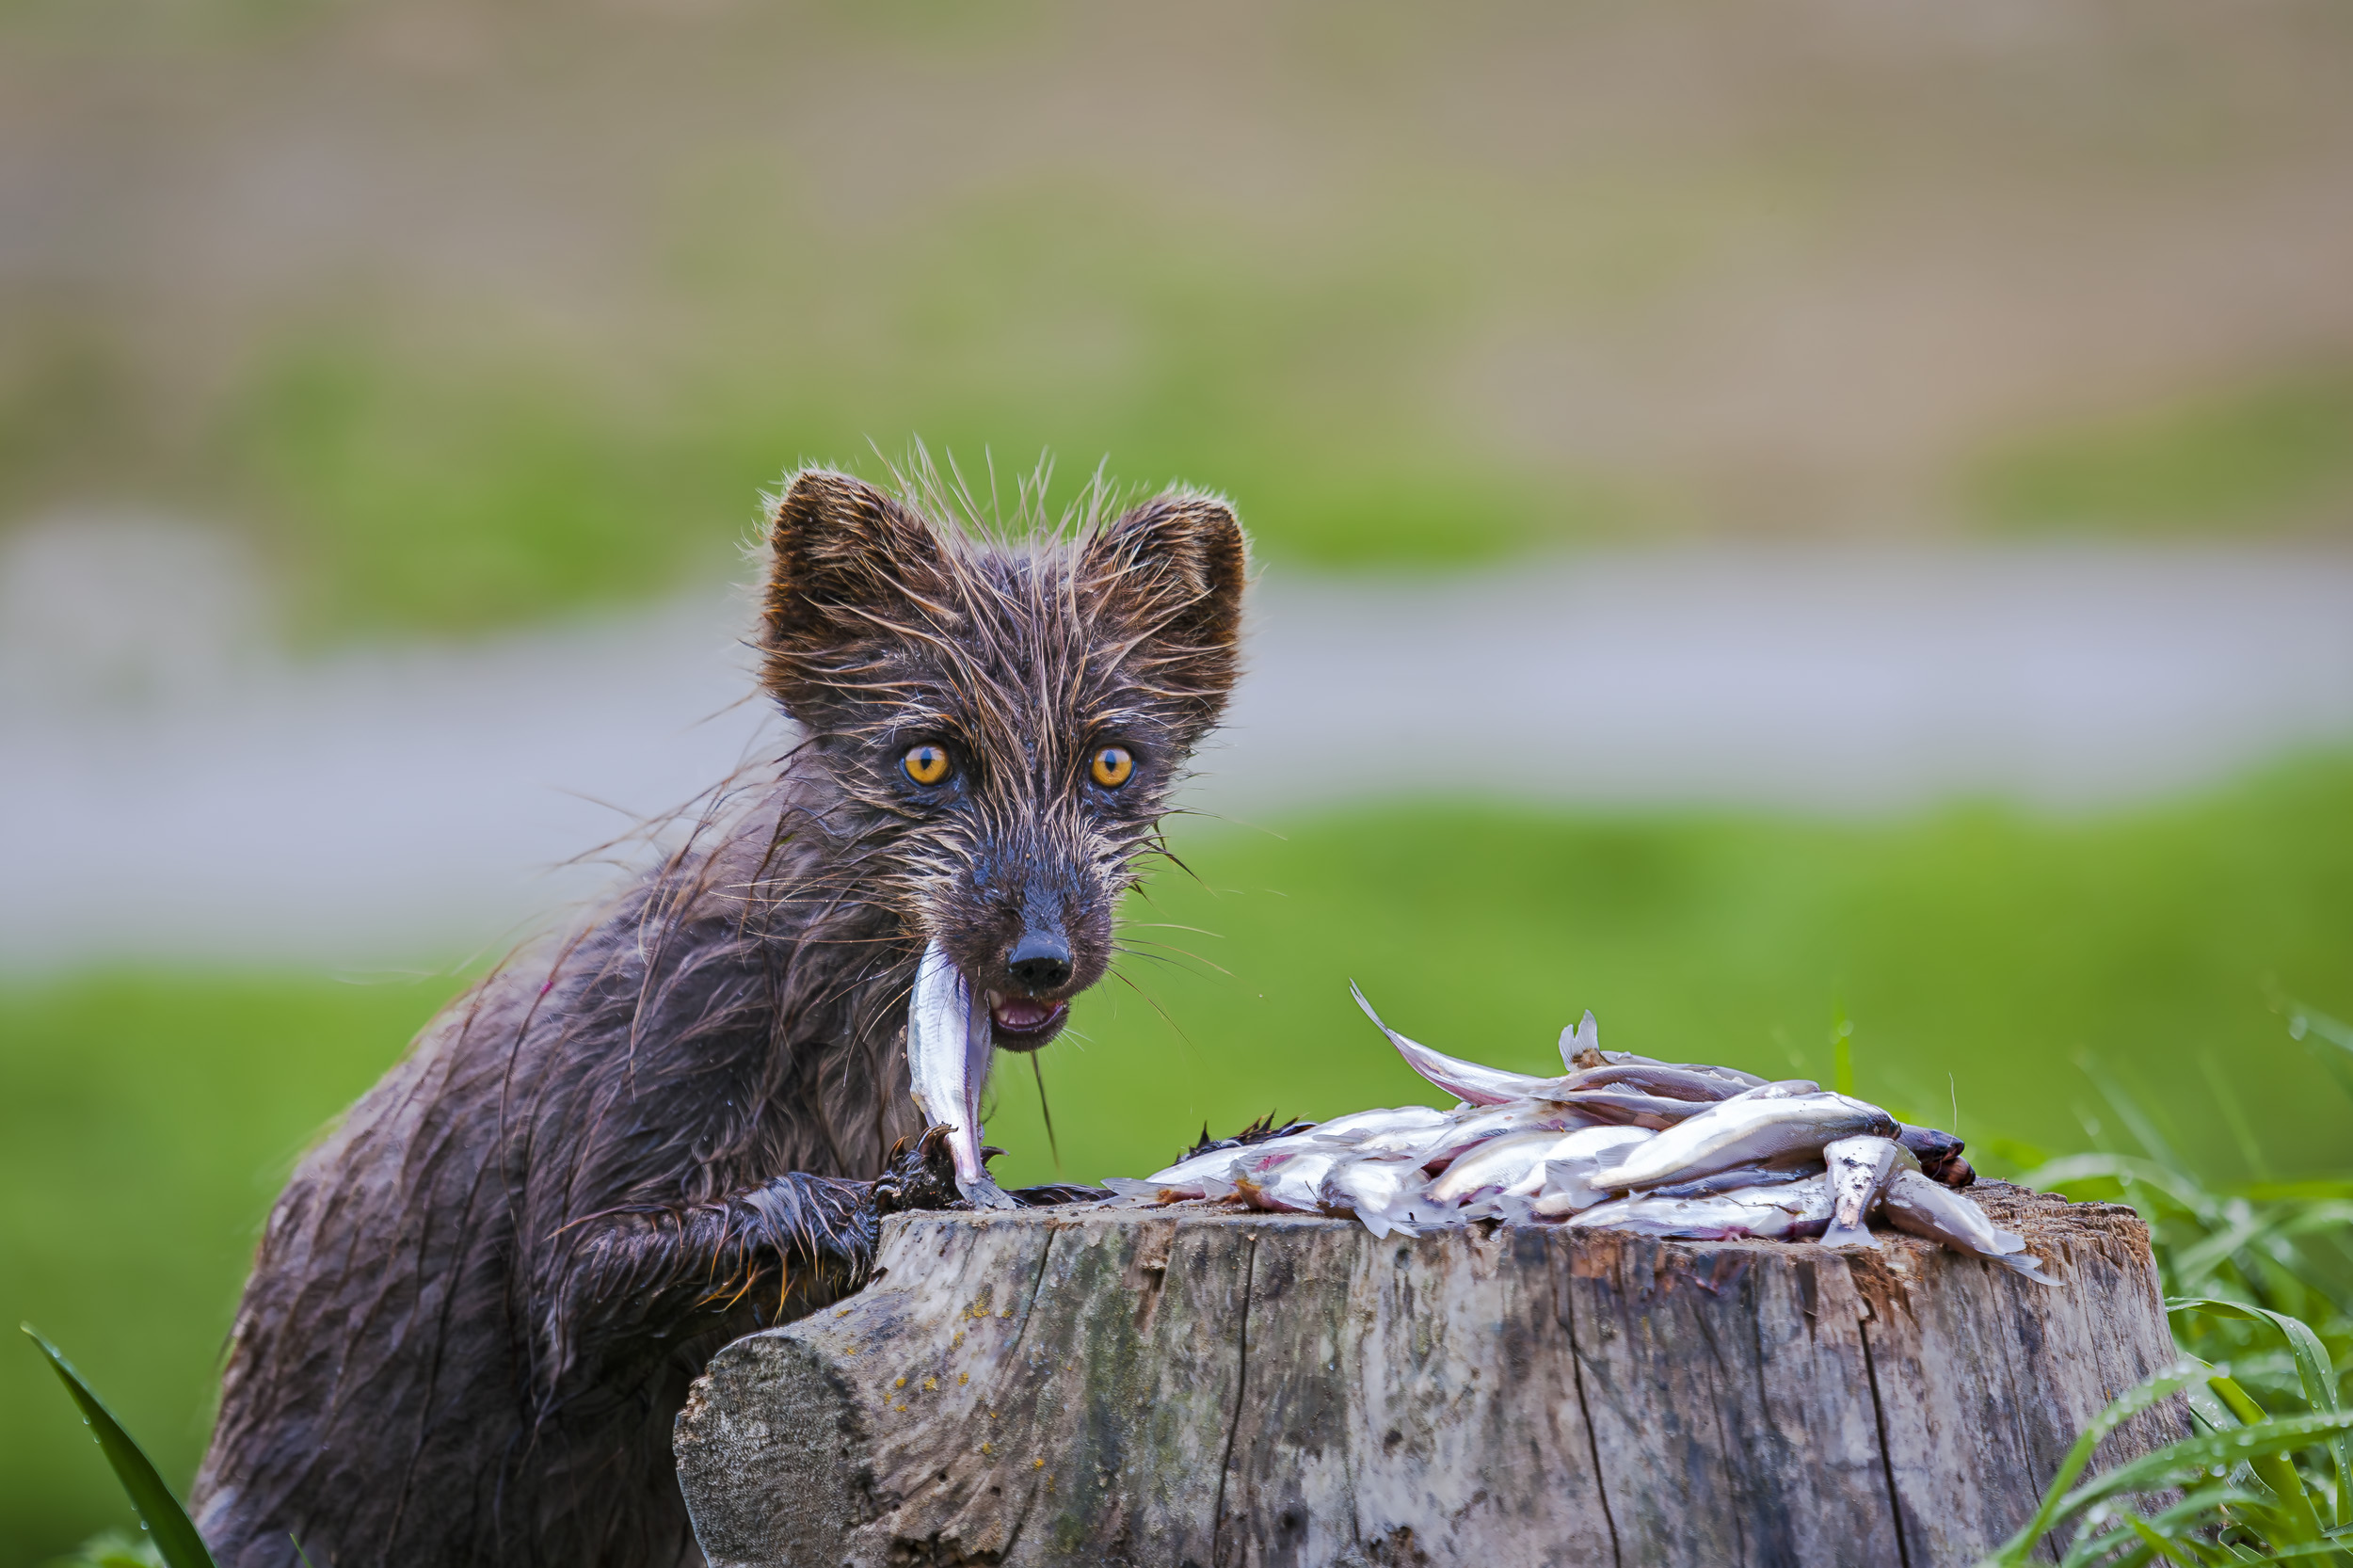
1166,580
849,570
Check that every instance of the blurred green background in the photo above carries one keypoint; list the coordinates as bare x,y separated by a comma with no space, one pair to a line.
470,318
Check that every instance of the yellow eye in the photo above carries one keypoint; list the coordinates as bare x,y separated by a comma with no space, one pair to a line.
927,764
1112,767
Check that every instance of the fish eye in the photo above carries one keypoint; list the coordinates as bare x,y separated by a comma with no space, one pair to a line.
927,764
1111,766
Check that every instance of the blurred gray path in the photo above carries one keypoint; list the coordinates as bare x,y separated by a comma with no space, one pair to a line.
167,792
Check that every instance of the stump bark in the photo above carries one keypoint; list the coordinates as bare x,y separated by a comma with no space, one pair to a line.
1196,1387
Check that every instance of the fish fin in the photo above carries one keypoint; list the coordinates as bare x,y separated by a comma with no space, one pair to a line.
1579,1037
1841,1236
2028,1264
1131,1190
1373,1220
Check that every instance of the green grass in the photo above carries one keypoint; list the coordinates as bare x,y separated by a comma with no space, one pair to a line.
2275,454
1981,955
146,1122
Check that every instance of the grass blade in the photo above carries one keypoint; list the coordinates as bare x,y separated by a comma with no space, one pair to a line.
2178,1464
2309,1025
168,1523
2313,1369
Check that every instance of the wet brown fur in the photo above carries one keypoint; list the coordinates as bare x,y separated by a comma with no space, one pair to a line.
479,1303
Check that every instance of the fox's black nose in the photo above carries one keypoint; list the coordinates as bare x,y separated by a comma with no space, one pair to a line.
1040,961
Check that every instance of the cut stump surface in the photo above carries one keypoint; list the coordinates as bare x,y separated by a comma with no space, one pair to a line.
1196,1387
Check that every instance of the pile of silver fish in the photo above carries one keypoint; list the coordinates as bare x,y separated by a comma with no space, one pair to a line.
1618,1142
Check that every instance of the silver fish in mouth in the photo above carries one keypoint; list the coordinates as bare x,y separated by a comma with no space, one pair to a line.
1480,1085
1790,1213
1759,1128
1915,1204
951,1043
1860,1170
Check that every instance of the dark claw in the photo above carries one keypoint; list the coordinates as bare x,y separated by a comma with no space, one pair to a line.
1257,1132
920,1176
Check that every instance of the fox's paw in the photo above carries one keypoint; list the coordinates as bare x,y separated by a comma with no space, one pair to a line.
921,1175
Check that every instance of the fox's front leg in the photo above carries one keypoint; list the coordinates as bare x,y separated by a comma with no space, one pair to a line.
782,1248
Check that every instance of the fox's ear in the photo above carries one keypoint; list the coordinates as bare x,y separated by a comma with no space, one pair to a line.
846,565
1166,580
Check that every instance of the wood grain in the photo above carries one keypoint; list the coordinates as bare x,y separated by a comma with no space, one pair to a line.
1191,1386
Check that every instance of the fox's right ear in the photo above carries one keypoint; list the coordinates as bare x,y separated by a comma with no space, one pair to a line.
847,567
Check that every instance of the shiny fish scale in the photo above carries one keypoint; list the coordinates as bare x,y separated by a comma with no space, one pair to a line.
950,1047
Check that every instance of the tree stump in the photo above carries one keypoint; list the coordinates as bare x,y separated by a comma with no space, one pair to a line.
1196,1387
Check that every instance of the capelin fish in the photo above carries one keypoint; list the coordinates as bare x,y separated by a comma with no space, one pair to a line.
1560,1185
1191,1177
1492,1166
1289,1181
1735,1179
1915,1204
1674,1084
1628,1107
1588,1147
1758,1127
1386,1193
1590,1057
1472,1129
1410,1130
1480,1085
1780,1089
1360,1130
1788,1212
950,1045
1860,1169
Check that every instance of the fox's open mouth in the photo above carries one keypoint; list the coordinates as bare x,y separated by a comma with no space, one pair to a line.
1025,1023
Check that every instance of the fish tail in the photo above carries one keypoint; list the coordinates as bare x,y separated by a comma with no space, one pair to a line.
2028,1264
